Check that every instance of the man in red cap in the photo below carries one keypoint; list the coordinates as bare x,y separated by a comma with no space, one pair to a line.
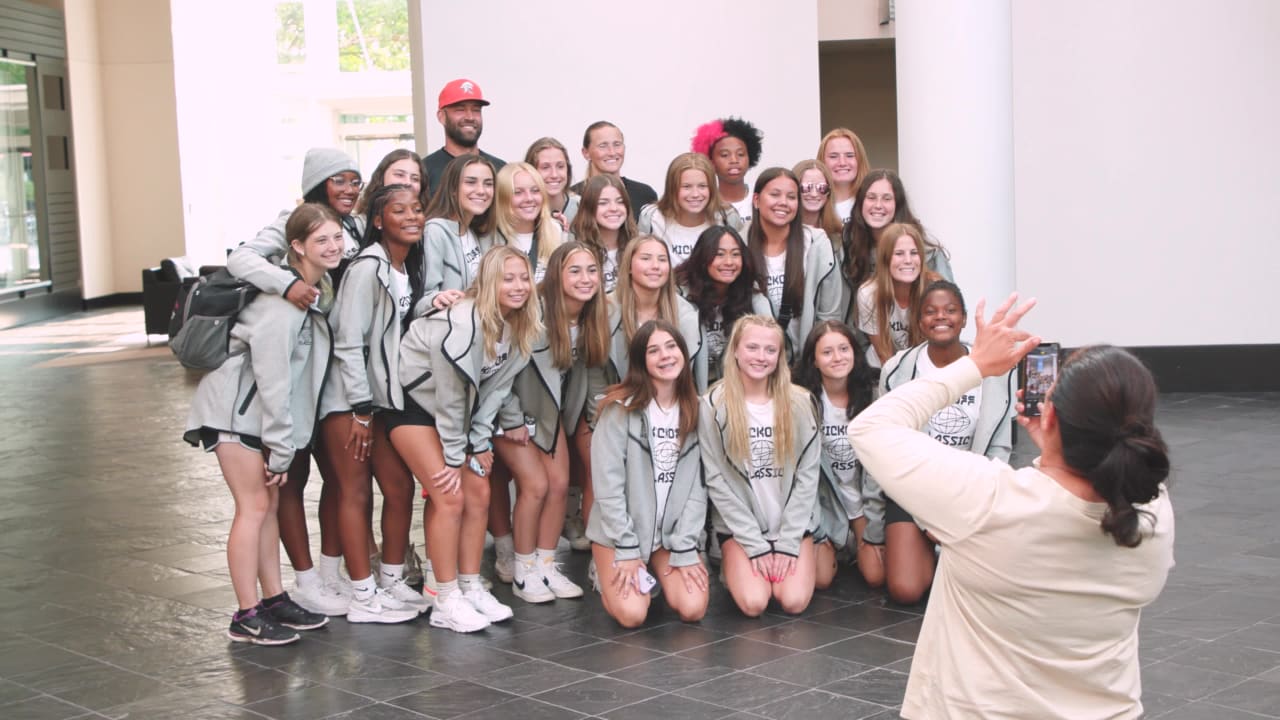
461,113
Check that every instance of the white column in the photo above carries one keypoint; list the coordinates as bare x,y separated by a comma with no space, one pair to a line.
955,135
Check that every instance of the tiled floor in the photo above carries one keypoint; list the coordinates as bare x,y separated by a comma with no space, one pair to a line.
116,594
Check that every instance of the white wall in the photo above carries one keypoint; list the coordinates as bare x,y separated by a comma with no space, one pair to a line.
1147,169
656,69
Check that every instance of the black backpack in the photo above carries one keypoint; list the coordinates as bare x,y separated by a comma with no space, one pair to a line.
203,315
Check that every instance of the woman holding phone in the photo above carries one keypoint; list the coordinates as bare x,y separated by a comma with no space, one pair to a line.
650,503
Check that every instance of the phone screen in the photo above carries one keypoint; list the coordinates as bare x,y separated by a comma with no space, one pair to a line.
1039,370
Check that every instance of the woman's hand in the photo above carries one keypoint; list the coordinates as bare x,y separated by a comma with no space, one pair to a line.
560,218
485,460
1033,426
359,437
301,294
274,479
694,576
626,576
449,480
519,435
784,566
763,566
445,298
999,344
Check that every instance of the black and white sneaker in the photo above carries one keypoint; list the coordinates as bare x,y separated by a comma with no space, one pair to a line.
255,627
284,611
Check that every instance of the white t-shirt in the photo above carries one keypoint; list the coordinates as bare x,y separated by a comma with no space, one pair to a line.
898,322
762,468
844,463
610,270
501,351
680,240
714,332
744,209
843,209
471,252
664,445
776,273
401,291
955,424
523,241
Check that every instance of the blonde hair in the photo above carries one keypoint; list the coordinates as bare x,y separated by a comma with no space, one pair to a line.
625,295
669,206
546,231
732,397
827,219
859,151
525,322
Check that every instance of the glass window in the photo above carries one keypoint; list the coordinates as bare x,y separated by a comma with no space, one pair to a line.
19,239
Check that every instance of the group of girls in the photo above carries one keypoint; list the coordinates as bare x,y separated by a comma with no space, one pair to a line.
510,330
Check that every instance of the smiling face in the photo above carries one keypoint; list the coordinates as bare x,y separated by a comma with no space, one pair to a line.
904,265
694,192
662,357
322,247
580,276
833,356
729,156
726,266
405,171
516,287
650,265
342,190
463,122
606,151
402,218
475,189
813,190
879,205
942,317
841,160
611,211
777,202
758,351
526,201
553,166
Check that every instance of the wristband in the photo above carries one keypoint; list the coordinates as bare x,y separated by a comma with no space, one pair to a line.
362,423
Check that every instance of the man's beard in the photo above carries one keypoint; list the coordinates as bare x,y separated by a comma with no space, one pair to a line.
455,133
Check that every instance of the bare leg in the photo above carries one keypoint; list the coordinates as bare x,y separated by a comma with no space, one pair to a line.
330,504
630,611
749,590
475,516
355,481
396,484
292,515
556,469
870,557
909,562
794,591
582,443
825,570
269,548
420,448
499,496
244,473
690,606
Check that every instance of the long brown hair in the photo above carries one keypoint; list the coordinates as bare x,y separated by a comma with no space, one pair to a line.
594,333
625,294
379,179
881,282
636,389
669,206
444,203
827,218
586,229
793,287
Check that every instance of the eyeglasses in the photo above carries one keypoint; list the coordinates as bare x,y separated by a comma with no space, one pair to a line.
341,183
809,188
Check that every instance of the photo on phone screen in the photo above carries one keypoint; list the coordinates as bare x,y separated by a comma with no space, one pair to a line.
1038,372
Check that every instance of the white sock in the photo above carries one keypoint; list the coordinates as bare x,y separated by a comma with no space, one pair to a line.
306,578
363,589
329,567
391,573
505,544
445,589
469,582
545,557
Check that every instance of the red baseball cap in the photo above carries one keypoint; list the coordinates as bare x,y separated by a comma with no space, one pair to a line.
460,90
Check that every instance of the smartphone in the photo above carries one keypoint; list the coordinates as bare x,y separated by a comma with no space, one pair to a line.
475,466
1036,374
645,581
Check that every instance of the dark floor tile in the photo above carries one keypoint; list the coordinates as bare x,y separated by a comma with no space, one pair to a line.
668,707
250,687
1157,704
879,686
672,637
671,673
1208,711
13,692
596,696
809,669
21,655
862,618
1258,696
452,700
869,650
727,618
373,677
1229,655
1263,636
817,704
523,709
180,704
530,678
908,631
544,642
42,707
1154,646
1184,681
742,691
738,653
800,634
316,701
93,684
378,712
605,657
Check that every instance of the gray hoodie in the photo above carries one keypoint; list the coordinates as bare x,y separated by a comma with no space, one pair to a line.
270,386
821,291
258,261
625,509
440,360
734,508
690,328
443,264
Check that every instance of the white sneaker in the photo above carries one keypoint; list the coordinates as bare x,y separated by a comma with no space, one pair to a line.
576,533
340,586
380,607
457,614
557,583
401,591
429,587
487,605
592,576
320,598
529,585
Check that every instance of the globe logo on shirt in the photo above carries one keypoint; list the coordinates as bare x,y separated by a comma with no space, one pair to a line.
950,420
665,454
840,450
762,453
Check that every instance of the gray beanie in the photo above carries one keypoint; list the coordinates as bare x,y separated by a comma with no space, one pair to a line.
322,164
